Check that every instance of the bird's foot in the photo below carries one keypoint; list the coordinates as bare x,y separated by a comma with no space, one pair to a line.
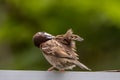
51,68
62,70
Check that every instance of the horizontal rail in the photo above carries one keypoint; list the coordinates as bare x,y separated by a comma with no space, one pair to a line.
56,75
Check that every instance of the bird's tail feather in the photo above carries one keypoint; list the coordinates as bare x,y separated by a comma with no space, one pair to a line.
82,66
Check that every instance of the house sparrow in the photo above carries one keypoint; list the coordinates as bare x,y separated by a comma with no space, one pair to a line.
60,50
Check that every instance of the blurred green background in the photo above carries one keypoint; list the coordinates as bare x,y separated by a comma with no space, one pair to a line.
97,21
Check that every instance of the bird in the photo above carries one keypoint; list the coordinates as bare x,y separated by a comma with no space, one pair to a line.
59,50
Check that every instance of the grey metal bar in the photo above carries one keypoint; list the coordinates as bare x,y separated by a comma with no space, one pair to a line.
56,75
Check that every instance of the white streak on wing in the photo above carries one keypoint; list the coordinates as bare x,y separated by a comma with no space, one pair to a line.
45,48
47,34
39,32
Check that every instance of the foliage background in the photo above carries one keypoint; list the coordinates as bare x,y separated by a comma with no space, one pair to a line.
97,21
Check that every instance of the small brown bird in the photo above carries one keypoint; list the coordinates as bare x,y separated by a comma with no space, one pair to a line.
60,50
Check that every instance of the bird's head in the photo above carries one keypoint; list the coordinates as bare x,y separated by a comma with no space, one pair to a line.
41,37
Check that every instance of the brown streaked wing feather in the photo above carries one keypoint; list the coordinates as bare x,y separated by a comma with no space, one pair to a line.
54,48
71,51
68,33
59,52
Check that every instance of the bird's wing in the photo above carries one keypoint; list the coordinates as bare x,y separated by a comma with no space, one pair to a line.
54,48
70,36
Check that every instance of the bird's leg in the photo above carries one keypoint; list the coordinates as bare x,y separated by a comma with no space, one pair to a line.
51,68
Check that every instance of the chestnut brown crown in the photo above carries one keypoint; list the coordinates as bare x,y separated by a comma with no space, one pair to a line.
41,37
